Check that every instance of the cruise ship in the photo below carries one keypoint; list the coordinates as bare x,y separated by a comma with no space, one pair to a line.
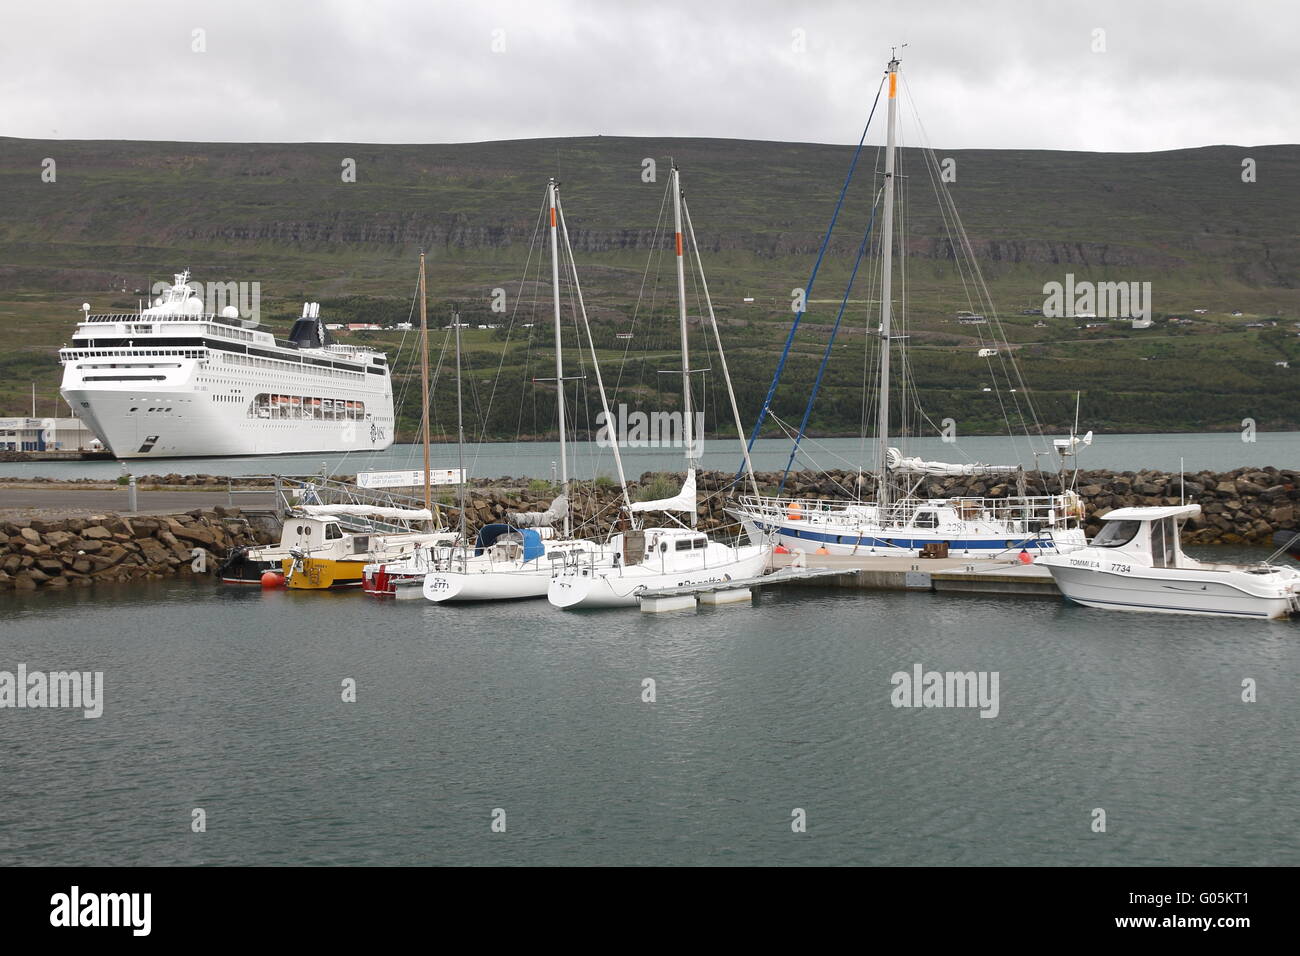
174,381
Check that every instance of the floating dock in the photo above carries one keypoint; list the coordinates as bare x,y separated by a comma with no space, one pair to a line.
974,576
734,591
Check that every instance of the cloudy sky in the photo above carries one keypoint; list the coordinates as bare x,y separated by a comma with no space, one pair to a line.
1098,75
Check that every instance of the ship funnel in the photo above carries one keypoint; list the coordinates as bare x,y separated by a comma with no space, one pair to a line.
309,332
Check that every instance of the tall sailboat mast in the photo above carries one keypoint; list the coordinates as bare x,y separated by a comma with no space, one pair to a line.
424,386
681,315
460,426
886,276
551,190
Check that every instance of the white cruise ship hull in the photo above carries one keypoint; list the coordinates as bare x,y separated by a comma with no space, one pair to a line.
183,423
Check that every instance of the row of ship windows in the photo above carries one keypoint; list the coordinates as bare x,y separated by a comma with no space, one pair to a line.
132,353
255,362
306,406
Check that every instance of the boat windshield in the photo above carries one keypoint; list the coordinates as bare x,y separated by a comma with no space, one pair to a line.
1115,534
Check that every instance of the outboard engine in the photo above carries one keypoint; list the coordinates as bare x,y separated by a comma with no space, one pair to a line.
309,331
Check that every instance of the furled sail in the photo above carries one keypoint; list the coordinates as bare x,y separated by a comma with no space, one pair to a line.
369,511
541,519
915,466
684,500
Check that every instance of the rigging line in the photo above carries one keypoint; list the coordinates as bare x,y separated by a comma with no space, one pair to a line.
510,328
337,470
655,241
794,326
722,359
830,344
995,318
983,299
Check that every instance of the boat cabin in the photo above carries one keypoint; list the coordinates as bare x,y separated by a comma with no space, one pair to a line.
1150,536
322,532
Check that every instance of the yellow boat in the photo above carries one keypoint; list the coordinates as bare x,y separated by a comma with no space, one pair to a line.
322,573
323,554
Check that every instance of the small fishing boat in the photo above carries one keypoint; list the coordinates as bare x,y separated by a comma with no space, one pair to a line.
333,557
1137,563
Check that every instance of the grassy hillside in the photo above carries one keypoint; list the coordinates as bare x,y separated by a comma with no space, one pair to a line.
123,214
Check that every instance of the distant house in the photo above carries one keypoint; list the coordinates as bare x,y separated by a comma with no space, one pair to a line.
1282,364
971,318
334,326
987,353
623,335
363,327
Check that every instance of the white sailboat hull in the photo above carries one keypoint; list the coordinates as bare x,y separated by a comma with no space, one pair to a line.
587,587
494,584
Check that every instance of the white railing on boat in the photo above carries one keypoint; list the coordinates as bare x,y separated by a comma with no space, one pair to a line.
1045,511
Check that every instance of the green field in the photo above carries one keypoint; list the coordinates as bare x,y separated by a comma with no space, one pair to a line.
122,215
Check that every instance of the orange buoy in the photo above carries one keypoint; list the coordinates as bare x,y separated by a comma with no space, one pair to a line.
795,511
822,550
1025,558
780,549
272,579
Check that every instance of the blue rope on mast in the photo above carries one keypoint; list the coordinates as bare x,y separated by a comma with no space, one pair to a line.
798,317
826,356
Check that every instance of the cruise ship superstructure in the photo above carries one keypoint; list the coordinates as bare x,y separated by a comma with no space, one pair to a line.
174,381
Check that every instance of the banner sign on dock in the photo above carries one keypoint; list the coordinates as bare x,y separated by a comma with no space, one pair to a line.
408,479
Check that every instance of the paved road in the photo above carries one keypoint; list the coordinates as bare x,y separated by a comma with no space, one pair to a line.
70,502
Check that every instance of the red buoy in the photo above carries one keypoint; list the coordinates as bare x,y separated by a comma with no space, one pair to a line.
272,579
1025,558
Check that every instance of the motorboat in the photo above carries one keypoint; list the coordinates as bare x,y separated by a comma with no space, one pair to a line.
1136,563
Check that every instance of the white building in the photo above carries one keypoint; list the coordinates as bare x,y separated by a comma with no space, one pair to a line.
47,434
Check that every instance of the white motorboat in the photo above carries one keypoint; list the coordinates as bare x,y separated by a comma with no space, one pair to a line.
1137,563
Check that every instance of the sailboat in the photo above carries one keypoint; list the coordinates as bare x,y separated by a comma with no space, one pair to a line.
899,521
514,559
400,576
650,559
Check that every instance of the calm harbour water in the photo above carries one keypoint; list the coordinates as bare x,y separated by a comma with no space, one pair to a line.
230,700
1220,451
